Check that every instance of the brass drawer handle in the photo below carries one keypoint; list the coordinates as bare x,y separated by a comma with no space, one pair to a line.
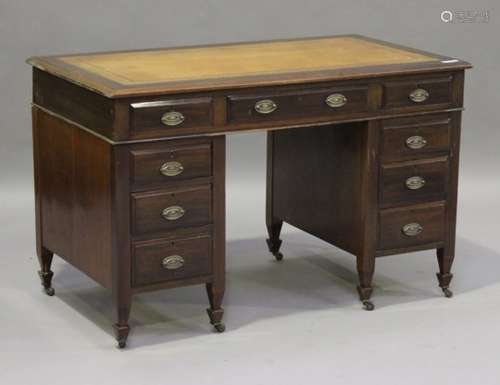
415,182
416,142
412,229
419,95
171,168
172,118
172,213
265,106
336,100
172,262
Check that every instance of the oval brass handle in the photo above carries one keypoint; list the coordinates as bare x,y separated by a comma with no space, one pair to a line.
416,142
265,106
415,182
419,95
412,229
172,262
336,100
172,118
171,168
173,213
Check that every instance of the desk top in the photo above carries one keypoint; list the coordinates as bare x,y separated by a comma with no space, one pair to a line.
192,69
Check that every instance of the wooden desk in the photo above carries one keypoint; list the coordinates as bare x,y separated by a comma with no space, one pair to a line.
129,153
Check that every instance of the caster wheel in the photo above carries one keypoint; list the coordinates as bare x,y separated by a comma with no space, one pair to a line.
368,305
49,291
219,327
121,344
447,292
278,256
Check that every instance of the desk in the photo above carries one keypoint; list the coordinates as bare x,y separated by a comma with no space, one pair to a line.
129,156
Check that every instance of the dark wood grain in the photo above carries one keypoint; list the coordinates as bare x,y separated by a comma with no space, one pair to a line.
147,161
78,104
393,189
147,209
431,216
73,174
146,116
148,257
318,165
396,92
336,173
434,129
217,286
301,103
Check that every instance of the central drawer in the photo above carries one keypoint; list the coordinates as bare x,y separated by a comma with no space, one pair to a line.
166,210
281,106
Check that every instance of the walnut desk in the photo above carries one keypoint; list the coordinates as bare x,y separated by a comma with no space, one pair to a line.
129,157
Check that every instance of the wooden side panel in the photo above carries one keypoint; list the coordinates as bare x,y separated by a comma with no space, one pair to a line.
317,178
77,104
74,187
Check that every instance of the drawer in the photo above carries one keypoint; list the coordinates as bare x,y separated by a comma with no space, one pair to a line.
162,261
413,182
281,106
166,164
167,210
171,115
413,137
411,226
417,92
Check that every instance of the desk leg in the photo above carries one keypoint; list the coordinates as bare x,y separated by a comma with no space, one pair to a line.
446,254
216,288
272,222
121,256
369,208
44,256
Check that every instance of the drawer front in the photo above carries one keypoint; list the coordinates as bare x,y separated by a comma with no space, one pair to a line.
411,226
418,92
405,138
161,261
167,210
163,165
172,116
274,107
413,182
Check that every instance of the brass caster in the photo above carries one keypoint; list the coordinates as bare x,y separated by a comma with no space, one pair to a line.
368,305
278,256
447,292
219,327
122,344
49,291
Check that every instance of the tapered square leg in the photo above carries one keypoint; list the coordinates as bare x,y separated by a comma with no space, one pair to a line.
215,312
445,261
273,223
45,259
121,312
366,268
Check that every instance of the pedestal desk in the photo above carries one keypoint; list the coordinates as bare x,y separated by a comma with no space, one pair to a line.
129,157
